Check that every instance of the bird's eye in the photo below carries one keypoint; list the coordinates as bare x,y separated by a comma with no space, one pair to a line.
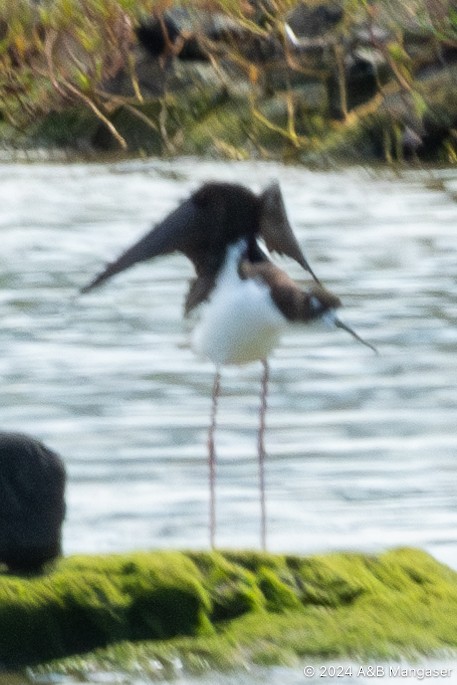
316,306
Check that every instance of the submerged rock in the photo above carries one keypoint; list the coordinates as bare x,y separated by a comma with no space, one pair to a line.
32,506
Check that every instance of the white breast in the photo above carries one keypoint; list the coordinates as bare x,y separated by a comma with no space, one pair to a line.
240,323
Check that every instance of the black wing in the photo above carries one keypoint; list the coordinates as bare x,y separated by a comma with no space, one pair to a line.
170,235
276,230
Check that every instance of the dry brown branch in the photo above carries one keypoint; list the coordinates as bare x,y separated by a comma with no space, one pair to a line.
98,113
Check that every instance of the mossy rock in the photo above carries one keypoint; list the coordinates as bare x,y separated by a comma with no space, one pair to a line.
226,609
85,602
71,128
279,590
225,126
326,582
233,589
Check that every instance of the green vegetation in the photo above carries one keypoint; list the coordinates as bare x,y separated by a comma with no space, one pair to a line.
226,609
379,82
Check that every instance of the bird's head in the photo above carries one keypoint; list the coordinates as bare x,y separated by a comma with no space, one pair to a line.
322,304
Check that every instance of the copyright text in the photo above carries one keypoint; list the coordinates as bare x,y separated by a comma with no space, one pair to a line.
420,673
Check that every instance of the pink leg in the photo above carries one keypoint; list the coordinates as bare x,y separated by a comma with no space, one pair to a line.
212,460
262,453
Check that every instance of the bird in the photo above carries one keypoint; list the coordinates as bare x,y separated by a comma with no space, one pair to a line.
245,300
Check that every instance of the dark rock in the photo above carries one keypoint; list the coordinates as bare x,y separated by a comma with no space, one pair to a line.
311,21
164,36
361,84
158,36
411,140
3,29
178,33
434,137
32,505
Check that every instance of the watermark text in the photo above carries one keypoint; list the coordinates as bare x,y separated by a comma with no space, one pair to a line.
392,671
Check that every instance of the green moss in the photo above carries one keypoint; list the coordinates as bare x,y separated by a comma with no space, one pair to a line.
137,125
329,582
279,589
222,127
232,588
86,602
226,609
68,128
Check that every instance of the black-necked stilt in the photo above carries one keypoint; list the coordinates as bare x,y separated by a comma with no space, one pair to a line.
248,301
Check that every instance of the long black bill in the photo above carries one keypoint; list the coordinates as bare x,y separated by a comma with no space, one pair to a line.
340,324
169,235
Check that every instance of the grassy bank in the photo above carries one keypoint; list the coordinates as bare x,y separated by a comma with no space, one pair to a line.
364,80
227,609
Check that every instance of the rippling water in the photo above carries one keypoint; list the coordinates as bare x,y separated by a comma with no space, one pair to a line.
361,449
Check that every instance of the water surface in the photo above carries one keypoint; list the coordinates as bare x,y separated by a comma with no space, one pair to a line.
361,448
